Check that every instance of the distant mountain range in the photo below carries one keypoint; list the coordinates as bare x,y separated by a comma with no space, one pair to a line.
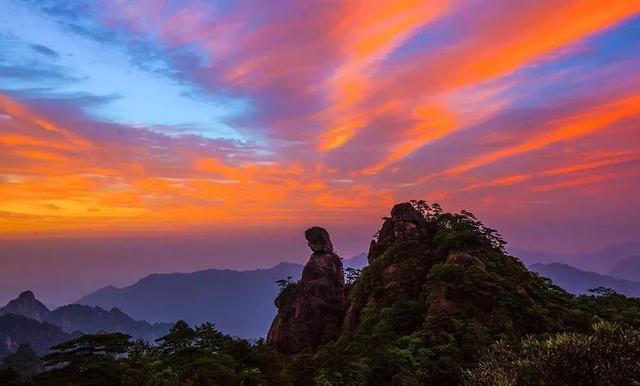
77,318
603,261
227,297
240,303
628,268
579,282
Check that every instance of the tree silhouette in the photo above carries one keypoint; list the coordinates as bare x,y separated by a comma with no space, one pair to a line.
351,275
284,283
603,291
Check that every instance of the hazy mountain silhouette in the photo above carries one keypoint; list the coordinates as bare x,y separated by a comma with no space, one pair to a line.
628,268
239,302
577,281
358,261
601,261
81,318
28,306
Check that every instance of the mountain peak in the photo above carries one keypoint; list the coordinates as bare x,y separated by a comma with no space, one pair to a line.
26,305
26,296
284,265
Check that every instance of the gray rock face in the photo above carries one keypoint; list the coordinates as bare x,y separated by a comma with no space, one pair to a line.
318,240
311,312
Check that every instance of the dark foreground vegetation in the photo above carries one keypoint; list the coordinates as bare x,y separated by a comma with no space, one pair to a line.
440,303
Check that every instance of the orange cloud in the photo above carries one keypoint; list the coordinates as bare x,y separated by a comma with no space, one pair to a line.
432,123
369,33
16,111
586,123
320,78
534,31
503,181
565,170
50,184
619,157
585,180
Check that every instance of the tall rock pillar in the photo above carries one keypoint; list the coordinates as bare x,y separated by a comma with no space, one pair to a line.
311,311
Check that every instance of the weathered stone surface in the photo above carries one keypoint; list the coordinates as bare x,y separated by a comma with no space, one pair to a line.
407,213
406,221
311,312
318,240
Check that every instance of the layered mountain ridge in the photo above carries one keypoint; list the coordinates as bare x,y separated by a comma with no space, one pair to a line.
70,320
628,269
200,296
580,282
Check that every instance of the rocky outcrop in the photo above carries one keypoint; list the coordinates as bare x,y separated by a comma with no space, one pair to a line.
311,311
405,224
406,221
439,288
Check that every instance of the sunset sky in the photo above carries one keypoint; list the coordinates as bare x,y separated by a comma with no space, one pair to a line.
156,117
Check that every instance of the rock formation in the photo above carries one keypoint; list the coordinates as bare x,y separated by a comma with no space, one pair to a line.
318,240
438,290
406,221
310,312
405,224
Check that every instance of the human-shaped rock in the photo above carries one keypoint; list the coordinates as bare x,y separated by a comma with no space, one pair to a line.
318,240
310,312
